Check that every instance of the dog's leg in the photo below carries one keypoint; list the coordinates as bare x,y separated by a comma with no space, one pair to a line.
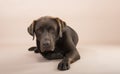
69,58
71,55
33,49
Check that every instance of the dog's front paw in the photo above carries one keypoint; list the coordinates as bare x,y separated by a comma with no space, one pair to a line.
34,49
31,48
64,65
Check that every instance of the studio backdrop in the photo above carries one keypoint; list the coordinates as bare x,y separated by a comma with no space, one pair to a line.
96,21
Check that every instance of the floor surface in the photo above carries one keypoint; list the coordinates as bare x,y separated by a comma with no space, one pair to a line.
95,59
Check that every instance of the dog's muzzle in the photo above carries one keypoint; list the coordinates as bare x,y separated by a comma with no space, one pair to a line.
46,46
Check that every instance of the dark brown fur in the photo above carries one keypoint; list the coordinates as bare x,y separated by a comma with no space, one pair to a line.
55,40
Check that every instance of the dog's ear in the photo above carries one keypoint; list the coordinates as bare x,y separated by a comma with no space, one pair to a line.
61,25
31,29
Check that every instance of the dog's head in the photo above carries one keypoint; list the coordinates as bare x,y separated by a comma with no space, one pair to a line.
47,31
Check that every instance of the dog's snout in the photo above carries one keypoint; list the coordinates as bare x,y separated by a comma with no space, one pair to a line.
46,43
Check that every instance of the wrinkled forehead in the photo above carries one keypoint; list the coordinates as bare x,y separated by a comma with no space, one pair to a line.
45,22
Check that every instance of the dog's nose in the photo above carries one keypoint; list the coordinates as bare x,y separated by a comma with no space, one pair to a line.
46,43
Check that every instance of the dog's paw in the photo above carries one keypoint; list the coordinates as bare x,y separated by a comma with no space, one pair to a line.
31,48
64,65
36,50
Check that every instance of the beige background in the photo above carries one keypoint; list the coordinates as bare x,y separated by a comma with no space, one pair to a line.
96,21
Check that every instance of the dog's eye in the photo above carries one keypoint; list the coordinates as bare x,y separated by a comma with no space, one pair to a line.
39,31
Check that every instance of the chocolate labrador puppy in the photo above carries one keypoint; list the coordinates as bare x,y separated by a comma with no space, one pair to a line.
55,40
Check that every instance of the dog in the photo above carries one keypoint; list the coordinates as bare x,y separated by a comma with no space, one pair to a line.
55,40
